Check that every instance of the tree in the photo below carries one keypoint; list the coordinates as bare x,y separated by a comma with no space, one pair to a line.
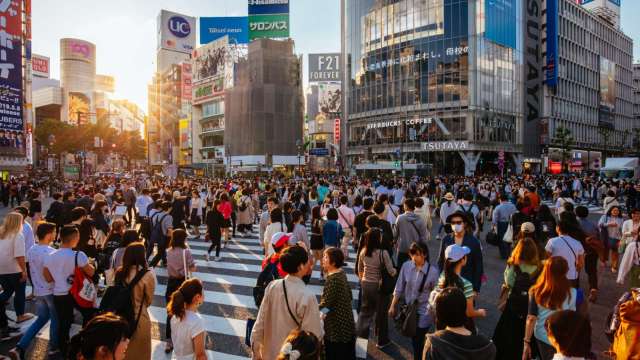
605,134
565,141
131,146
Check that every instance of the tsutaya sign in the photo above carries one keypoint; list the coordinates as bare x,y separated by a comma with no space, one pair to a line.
395,123
445,146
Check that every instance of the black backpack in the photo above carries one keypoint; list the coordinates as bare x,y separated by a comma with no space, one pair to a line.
157,237
267,275
470,216
118,299
518,300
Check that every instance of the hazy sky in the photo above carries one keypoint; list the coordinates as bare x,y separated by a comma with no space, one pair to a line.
124,32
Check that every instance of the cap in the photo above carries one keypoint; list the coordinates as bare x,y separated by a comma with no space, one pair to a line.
449,196
456,252
280,239
528,227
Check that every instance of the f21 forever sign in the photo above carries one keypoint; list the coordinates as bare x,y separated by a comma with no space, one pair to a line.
325,67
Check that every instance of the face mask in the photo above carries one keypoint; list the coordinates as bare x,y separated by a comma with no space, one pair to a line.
457,228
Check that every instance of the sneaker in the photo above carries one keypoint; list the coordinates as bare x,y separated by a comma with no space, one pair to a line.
16,353
24,317
218,258
382,346
168,347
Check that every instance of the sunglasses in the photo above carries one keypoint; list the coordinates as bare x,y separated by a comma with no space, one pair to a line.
457,222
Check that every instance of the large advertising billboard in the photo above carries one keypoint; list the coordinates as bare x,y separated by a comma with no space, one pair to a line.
76,49
552,43
607,84
329,98
213,28
268,26
500,21
257,7
12,136
325,67
207,90
186,79
209,60
176,32
40,66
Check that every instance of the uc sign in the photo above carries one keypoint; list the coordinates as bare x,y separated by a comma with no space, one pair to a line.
179,26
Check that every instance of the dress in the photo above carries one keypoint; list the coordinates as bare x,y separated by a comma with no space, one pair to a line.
140,343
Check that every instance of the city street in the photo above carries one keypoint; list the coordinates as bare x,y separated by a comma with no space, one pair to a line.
228,301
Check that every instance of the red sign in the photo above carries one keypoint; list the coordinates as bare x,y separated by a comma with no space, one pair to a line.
12,14
27,10
40,65
336,131
186,81
555,167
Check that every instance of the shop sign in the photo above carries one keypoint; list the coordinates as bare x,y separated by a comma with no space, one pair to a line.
497,123
453,145
208,90
396,123
452,51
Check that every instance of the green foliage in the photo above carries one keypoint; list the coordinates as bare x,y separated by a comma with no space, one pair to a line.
565,141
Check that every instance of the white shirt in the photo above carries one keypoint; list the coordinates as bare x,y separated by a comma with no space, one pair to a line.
569,248
398,196
392,213
182,333
142,204
61,265
29,239
630,259
36,256
197,204
10,249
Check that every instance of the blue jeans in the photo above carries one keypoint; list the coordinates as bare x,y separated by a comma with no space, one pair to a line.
11,283
45,311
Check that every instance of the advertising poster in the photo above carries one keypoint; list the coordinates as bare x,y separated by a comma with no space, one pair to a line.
500,22
213,28
209,60
272,26
207,90
177,32
257,7
185,133
187,78
12,136
552,43
607,84
329,98
78,108
40,65
325,67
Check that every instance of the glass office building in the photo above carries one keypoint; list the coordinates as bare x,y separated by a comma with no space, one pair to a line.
433,85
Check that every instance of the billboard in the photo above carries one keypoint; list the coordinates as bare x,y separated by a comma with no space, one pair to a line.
268,26
105,83
500,22
257,7
209,60
213,28
607,84
12,136
551,77
184,127
186,80
325,67
40,65
176,32
207,90
76,49
329,98
533,97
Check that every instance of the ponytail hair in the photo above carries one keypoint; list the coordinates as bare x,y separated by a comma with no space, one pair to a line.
103,332
451,279
183,297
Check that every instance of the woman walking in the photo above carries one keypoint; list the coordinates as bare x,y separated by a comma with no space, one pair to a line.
316,242
225,209
610,226
195,211
215,225
186,323
375,305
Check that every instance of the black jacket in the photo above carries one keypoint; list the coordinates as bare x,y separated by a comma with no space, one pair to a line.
446,345
55,214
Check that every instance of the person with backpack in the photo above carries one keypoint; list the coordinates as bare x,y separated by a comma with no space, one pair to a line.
410,228
346,219
161,228
140,283
180,263
520,274
288,304
64,267
244,217
473,270
552,292
187,325
415,281
271,268
277,225
472,210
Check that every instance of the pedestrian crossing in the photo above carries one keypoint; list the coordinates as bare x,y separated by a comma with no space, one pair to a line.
228,300
593,209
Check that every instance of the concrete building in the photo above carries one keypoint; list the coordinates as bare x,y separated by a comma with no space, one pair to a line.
636,93
264,109
126,116
593,93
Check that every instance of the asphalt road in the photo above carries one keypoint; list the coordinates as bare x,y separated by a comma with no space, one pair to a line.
401,348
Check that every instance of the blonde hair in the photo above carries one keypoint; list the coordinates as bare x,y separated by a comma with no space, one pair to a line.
11,225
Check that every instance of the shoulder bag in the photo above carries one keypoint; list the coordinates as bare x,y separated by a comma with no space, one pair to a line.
187,275
387,283
286,299
407,319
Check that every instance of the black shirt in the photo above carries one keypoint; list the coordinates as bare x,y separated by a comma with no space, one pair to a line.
360,224
387,233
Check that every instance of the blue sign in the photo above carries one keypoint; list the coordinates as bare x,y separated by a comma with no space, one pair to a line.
179,26
319,152
551,77
263,7
213,28
500,21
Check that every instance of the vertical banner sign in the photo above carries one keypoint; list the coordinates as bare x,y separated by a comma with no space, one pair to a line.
533,78
12,137
552,43
27,12
336,131
186,81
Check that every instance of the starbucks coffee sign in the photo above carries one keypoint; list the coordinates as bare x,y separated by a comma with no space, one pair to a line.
434,146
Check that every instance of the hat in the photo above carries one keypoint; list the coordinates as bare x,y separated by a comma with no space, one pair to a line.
280,239
456,252
449,196
463,215
528,227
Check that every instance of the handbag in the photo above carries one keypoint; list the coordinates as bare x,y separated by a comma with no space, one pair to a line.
508,235
387,283
504,295
407,319
492,238
184,263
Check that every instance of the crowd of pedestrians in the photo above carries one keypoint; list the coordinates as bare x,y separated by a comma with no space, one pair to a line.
97,247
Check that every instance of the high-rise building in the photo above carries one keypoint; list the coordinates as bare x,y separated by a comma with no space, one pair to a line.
636,93
264,110
589,90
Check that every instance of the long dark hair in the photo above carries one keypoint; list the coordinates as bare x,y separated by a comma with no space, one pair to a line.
451,279
372,240
183,297
106,330
134,257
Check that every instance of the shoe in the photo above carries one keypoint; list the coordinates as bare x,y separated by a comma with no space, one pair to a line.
168,347
24,317
382,346
218,258
6,335
14,329
16,353
206,257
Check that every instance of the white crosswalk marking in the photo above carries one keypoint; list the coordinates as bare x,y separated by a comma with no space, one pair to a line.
228,298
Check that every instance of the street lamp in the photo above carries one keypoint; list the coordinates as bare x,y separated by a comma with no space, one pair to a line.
299,147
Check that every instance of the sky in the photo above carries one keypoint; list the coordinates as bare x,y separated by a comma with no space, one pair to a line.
124,32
